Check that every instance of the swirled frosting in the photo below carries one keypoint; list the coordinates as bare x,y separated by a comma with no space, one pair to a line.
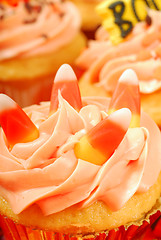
37,28
60,179
104,63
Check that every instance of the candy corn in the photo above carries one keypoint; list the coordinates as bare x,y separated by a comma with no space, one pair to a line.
65,81
100,142
16,125
127,95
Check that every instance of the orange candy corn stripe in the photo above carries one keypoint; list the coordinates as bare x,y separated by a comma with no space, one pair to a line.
65,81
127,95
100,142
16,125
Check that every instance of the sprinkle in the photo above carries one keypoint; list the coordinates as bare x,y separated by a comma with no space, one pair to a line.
2,7
28,7
44,36
1,17
29,21
148,20
32,8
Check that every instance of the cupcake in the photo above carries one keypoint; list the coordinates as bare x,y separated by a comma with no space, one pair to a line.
80,168
103,63
90,18
36,38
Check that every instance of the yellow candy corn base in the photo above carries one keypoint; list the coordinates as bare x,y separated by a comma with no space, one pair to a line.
90,19
80,223
150,103
29,80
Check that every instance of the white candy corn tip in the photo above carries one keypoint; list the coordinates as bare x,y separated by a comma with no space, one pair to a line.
65,73
6,102
129,76
121,117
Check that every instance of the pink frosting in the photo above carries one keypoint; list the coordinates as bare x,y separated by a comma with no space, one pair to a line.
46,171
43,28
141,51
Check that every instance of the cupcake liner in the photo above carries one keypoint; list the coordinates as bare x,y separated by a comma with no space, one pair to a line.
148,230
28,92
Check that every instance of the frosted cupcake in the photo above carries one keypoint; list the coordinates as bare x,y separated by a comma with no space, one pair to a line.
36,38
79,167
104,63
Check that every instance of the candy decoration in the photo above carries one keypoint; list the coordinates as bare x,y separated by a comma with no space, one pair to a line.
101,141
16,125
119,17
65,81
127,95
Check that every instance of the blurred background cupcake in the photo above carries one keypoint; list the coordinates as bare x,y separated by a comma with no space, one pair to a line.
36,37
103,61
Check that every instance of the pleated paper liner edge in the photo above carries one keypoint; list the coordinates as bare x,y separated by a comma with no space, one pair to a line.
133,230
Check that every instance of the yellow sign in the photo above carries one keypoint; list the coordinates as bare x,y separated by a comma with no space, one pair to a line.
119,17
